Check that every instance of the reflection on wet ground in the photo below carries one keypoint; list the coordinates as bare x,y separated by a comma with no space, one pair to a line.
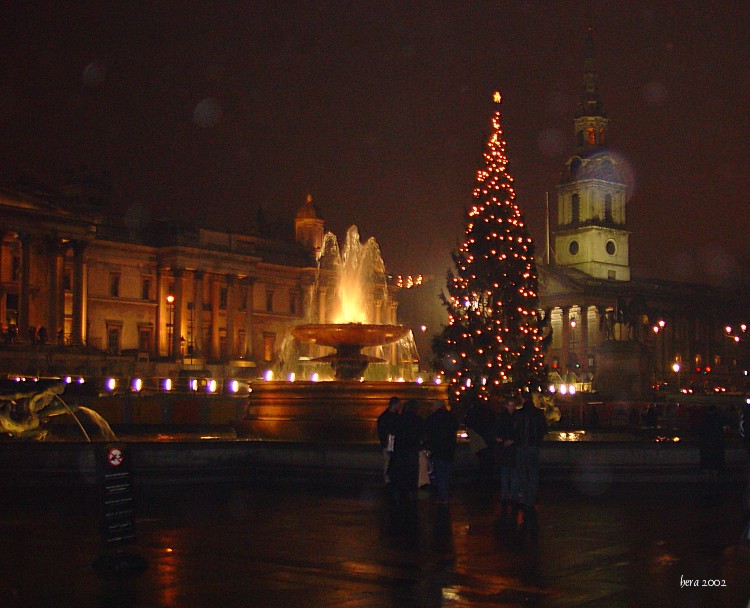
306,544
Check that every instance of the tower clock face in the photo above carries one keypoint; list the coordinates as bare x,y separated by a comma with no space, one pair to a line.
573,247
611,247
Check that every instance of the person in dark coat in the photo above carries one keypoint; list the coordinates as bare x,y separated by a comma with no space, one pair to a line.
506,454
441,428
403,469
482,430
386,422
529,426
712,441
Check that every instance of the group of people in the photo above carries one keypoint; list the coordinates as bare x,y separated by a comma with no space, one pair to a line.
406,437
507,438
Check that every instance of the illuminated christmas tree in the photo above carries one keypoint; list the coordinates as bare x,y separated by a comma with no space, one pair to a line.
493,343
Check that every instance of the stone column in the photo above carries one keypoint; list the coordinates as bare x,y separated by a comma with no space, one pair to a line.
215,350
54,262
565,339
249,305
584,337
230,317
161,345
79,289
24,302
179,307
198,313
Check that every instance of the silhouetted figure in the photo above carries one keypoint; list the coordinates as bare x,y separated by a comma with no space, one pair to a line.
32,334
506,455
651,416
42,334
385,424
712,442
482,431
529,429
403,469
440,437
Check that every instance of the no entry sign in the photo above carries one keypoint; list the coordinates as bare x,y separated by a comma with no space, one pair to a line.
116,493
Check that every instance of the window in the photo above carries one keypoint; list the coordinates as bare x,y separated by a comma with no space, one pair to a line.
223,292
113,339
269,300
146,289
114,284
610,247
608,208
611,275
67,281
269,343
573,247
144,340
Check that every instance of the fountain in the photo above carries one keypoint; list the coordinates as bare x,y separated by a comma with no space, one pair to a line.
26,409
346,307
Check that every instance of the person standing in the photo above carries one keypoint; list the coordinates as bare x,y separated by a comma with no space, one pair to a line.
386,422
712,442
507,454
482,431
403,469
441,428
529,426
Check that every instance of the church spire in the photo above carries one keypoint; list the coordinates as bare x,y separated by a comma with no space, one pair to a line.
591,102
590,119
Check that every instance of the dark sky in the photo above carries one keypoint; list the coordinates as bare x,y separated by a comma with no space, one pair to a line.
381,110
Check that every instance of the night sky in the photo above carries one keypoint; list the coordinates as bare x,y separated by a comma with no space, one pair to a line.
380,110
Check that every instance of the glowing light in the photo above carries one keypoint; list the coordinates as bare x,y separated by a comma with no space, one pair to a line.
315,377
137,385
211,386
167,384
234,386
193,384
68,379
111,384
268,376
292,377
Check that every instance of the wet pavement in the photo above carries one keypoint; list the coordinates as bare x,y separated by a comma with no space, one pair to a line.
289,543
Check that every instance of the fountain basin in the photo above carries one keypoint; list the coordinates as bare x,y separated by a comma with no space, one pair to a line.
332,412
349,334
349,339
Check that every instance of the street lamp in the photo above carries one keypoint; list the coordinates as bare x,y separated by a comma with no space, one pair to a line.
170,324
676,369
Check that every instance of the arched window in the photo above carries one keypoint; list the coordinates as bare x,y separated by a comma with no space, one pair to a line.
575,209
608,217
591,136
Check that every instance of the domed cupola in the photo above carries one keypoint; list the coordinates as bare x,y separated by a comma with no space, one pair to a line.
309,227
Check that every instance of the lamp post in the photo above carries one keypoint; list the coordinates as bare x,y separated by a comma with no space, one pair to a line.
170,325
676,369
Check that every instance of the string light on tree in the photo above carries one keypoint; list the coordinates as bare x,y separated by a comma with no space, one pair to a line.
494,340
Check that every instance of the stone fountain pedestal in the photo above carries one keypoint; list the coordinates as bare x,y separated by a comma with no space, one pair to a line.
325,412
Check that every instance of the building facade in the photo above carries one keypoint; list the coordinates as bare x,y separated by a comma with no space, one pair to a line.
94,295
612,332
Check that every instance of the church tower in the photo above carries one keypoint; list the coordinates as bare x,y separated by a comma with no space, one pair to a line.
309,227
590,233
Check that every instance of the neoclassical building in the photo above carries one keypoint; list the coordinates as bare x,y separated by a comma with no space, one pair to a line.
124,296
610,330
